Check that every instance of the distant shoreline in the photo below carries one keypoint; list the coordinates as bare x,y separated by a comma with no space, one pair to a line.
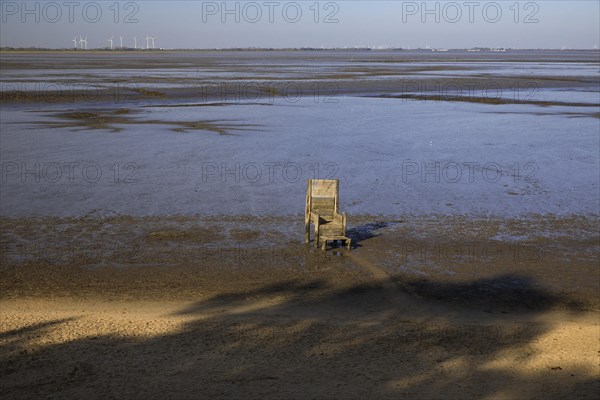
307,49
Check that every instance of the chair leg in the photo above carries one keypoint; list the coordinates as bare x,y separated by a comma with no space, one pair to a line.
317,236
324,246
306,232
349,244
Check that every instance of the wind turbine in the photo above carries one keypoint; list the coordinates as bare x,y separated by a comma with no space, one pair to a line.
83,41
135,42
153,39
121,37
111,42
147,41
75,42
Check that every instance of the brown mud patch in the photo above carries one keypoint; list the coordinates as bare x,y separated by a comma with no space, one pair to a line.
112,119
485,100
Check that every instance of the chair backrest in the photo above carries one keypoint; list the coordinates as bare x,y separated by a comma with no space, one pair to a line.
322,196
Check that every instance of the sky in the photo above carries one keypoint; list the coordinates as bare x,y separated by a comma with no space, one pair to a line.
281,24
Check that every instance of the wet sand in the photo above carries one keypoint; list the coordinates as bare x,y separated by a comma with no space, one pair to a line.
499,257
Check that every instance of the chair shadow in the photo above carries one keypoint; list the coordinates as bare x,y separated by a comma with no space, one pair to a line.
364,232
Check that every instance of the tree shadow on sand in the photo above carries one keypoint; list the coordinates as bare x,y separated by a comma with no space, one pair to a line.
308,339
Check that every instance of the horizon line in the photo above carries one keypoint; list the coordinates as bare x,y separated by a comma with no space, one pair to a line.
252,48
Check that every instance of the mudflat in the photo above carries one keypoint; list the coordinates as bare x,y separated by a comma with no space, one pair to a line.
151,240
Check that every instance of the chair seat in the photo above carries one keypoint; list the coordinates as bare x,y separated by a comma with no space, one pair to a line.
331,228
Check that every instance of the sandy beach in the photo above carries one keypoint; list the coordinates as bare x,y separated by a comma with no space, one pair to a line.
157,308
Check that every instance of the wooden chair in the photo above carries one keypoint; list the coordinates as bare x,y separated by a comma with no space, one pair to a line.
322,210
